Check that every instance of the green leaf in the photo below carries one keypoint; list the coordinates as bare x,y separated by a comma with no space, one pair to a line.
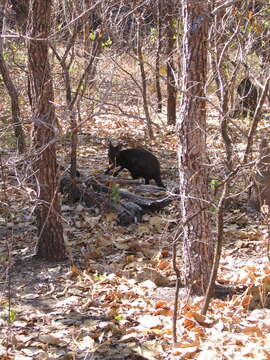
72,70
92,36
214,184
115,194
99,277
153,33
107,43
12,315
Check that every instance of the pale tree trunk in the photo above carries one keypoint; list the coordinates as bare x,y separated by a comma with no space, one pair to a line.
191,128
50,244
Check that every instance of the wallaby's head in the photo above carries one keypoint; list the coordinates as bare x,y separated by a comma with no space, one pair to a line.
113,151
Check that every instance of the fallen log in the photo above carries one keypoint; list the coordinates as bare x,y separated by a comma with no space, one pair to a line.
97,195
147,203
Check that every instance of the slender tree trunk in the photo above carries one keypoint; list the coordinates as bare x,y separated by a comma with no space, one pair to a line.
50,244
144,82
86,30
15,109
171,84
158,87
85,83
197,239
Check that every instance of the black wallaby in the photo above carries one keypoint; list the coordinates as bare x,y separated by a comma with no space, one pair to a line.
139,162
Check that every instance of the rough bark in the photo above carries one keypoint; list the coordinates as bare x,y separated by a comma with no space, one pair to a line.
171,84
50,245
191,127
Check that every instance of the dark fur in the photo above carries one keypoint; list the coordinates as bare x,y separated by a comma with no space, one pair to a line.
248,94
139,162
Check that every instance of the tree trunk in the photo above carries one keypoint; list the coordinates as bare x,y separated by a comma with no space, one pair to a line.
144,81
50,244
15,109
171,84
157,69
191,127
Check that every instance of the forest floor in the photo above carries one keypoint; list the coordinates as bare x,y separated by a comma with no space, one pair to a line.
114,298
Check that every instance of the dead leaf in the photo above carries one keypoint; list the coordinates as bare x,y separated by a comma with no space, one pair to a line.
149,321
154,276
161,304
163,264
